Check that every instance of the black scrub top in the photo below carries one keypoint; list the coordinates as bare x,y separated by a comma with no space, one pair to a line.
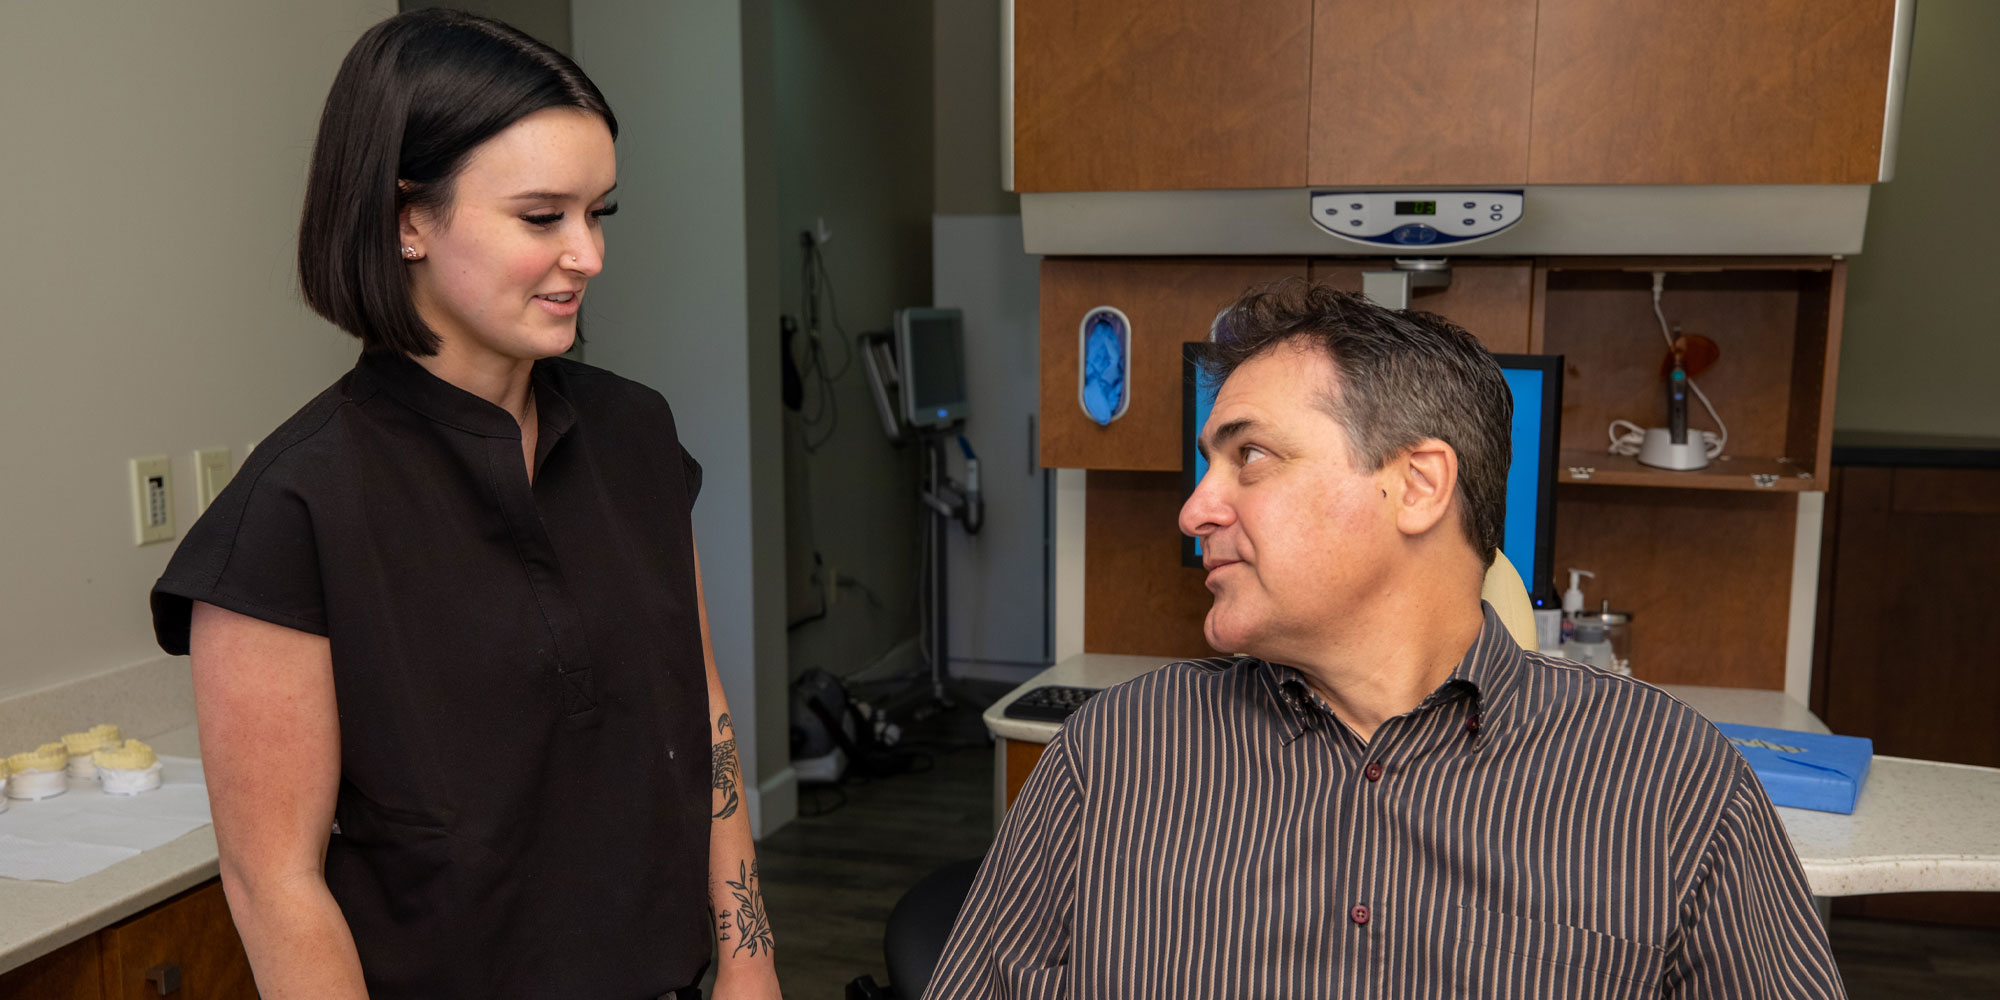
524,790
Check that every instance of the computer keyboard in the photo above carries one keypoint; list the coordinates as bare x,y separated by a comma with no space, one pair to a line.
1049,703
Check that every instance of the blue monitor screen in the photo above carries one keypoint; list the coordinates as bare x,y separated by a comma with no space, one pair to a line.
1528,480
1536,381
1204,401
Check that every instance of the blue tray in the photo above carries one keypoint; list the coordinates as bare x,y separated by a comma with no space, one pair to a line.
1804,770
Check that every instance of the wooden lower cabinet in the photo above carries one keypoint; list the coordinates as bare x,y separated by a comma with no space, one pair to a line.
188,943
1905,650
68,973
192,933
1907,578
1022,755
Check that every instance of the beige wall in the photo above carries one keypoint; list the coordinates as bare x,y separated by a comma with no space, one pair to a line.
685,286
154,159
1922,342
852,92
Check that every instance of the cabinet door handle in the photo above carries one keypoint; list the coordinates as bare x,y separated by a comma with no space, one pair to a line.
165,977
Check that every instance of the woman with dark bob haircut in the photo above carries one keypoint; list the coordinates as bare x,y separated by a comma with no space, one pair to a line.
459,713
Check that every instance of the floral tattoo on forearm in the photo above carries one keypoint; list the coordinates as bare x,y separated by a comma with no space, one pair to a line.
753,926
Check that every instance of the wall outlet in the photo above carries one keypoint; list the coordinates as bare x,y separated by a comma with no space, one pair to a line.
152,500
211,474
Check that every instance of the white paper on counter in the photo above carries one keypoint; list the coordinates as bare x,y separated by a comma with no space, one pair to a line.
36,859
85,830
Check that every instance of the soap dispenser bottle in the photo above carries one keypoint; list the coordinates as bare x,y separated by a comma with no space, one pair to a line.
1573,602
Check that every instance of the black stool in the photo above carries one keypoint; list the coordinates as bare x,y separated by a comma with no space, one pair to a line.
918,928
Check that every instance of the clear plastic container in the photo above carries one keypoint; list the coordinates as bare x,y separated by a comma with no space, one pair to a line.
1618,632
1588,644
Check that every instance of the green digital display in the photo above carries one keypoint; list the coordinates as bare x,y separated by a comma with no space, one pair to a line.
1416,208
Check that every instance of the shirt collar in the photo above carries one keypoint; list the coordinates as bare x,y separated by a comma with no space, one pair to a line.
1491,668
1489,673
414,386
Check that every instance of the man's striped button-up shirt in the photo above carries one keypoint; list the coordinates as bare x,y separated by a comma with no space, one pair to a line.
1535,828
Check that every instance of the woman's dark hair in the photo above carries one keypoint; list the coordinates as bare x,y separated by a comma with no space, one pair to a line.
414,97
1401,377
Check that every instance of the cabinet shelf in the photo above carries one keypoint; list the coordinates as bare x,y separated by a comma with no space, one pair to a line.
1776,322
1730,472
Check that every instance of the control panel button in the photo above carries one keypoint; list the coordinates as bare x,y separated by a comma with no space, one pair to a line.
1354,222
1330,210
1496,217
1414,234
1471,204
1355,206
1469,222
1499,208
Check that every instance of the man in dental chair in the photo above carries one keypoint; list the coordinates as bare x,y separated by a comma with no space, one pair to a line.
1384,795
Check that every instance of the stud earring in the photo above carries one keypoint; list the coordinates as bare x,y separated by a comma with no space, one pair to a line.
412,253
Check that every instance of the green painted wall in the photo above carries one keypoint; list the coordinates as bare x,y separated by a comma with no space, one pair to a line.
1921,348
966,111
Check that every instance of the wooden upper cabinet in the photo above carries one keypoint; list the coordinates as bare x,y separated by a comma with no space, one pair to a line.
1421,91
1130,95
1135,95
1710,91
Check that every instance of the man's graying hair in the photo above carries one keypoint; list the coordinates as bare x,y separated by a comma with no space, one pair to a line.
1402,377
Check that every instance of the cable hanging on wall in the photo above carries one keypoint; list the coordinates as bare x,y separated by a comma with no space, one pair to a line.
819,407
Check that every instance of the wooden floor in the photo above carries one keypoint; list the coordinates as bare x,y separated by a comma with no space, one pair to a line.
830,882
1884,959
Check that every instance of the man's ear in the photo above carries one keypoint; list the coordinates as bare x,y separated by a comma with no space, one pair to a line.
1423,483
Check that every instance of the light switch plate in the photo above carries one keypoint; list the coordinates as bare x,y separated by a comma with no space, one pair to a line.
211,474
152,499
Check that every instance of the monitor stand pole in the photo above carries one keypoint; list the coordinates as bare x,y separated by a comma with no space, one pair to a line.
937,488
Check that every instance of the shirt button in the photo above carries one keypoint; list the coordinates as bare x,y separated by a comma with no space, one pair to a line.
1359,914
1472,724
1373,772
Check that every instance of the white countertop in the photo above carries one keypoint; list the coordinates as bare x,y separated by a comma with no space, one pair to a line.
39,917
1090,670
1919,826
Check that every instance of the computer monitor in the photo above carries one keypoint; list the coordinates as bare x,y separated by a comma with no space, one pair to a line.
930,345
1528,538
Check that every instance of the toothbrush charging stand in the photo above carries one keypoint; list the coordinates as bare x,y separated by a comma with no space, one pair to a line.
1659,451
